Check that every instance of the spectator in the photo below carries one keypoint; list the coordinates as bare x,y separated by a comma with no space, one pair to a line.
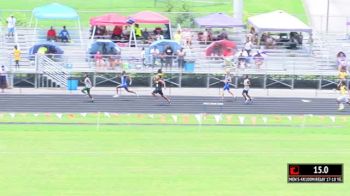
42,50
178,36
223,34
269,42
3,79
158,31
126,33
51,34
117,33
342,75
159,37
143,56
64,35
258,59
17,56
155,54
341,60
11,25
252,36
169,55
181,58
138,31
248,46
242,59
99,60
145,35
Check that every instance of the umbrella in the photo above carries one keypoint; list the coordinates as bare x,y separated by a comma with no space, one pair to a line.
106,47
221,48
162,44
52,48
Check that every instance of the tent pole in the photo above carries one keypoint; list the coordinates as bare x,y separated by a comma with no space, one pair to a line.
170,31
134,34
80,34
93,33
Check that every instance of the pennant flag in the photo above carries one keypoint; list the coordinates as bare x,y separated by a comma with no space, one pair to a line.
71,116
278,118
83,114
151,115
186,119
24,114
218,118
115,115
59,115
107,114
264,119
321,117
1,115
253,120
204,115
162,118
241,119
48,115
198,118
12,115
229,119
139,116
174,118
36,114
332,118
289,118
344,119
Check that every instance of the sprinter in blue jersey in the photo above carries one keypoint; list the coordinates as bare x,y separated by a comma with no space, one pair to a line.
227,82
125,81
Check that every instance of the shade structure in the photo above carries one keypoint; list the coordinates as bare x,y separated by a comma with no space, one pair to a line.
162,44
279,21
52,48
218,20
55,11
221,48
106,47
109,19
149,17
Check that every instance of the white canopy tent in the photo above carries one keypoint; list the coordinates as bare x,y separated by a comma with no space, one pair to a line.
278,21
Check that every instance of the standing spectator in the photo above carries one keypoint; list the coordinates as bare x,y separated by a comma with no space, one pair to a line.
248,46
11,25
342,75
99,59
3,79
341,61
169,52
138,31
181,58
155,54
51,34
17,56
64,35
143,56
178,36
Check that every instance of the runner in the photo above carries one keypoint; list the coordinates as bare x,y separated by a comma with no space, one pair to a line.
246,84
88,86
344,96
227,82
124,84
158,84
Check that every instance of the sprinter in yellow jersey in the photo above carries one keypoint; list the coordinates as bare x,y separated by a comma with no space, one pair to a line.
344,96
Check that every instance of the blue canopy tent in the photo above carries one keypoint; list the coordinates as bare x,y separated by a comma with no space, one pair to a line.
106,47
162,44
55,11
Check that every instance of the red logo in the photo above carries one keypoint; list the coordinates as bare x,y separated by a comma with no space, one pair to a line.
294,170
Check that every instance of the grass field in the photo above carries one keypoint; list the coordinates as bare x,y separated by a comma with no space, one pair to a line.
131,6
167,157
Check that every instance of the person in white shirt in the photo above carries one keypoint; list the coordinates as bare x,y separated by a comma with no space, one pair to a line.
246,84
155,54
88,86
11,24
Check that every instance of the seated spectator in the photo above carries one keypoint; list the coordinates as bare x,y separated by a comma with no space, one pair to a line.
258,59
248,47
252,35
223,34
269,42
126,33
138,31
117,33
43,50
158,31
99,60
145,34
159,37
242,59
100,32
51,34
64,35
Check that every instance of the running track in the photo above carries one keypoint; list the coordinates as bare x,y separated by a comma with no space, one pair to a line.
180,104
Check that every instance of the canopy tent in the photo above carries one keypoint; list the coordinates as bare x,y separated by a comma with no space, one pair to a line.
105,47
107,19
162,44
55,11
279,21
218,20
221,48
51,47
148,17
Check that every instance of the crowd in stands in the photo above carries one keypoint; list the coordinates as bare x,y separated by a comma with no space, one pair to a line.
63,36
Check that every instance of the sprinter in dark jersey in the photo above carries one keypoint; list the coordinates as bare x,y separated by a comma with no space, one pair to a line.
158,85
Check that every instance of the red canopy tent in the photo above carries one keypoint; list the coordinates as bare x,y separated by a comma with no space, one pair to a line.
221,48
107,19
148,17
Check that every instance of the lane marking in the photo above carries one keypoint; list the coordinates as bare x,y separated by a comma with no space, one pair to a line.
212,103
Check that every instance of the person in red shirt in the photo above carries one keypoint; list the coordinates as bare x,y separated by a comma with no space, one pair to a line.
117,32
51,34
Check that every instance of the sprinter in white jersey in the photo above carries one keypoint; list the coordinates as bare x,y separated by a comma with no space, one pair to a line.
88,86
246,84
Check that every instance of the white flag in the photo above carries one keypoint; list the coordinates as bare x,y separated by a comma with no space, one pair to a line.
83,114
36,114
289,118
218,118
151,115
174,118
107,114
332,118
241,119
264,119
198,118
59,115
12,115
